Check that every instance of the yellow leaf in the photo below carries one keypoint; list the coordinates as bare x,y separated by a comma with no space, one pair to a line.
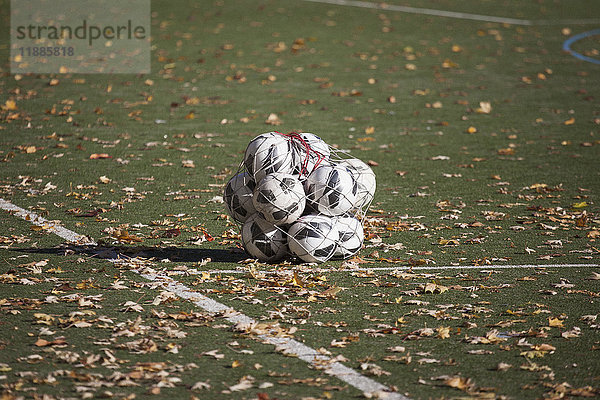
593,234
124,236
433,287
506,152
449,64
570,121
430,288
555,322
538,186
448,242
580,204
297,281
365,139
10,105
99,156
533,353
471,129
44,319
443,332
457,382
485,107
442,289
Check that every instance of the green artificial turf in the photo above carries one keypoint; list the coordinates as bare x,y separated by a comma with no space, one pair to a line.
484,138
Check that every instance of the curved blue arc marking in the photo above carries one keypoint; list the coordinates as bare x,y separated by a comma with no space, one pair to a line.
567,45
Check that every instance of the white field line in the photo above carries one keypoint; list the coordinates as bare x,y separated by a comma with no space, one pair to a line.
283,345
49,226
456,15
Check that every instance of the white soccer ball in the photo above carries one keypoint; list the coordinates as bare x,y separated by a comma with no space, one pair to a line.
313,238
365,179
311,152
331,190
279,198
267,153
238,196
263,240
351,236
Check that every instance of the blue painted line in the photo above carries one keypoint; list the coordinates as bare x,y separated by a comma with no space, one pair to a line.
567,46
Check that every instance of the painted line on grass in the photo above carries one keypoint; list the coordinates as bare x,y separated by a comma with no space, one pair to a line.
284,345
486,267
454,14
47,225
567,45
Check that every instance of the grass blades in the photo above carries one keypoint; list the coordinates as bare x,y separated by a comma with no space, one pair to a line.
484,138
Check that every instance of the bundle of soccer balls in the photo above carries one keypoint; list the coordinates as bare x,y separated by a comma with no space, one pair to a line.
295,195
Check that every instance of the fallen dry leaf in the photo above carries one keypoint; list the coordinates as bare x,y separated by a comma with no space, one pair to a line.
273,119
99,156
555,323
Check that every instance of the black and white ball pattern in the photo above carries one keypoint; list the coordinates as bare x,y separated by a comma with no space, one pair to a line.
365,180
279,198
351,236
331,190
268,153
313,238
263,240
296,196
237,196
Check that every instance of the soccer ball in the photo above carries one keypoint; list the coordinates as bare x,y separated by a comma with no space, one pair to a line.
263,240
238,196
331,190
268,153
365,179
279,198
313,238
311,151
351,236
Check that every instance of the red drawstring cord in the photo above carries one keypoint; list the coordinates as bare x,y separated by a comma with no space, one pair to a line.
294,136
